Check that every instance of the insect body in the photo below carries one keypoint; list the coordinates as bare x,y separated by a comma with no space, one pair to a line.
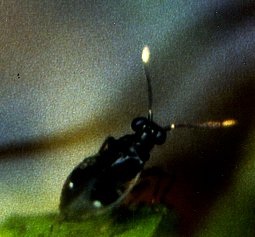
100,182
103,180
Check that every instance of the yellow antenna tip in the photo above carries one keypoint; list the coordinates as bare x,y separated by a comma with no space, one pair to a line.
229,123
146,54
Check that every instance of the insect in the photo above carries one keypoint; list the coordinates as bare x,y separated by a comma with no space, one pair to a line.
101,182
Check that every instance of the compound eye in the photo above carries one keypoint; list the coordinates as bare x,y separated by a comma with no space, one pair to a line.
138,123
160,138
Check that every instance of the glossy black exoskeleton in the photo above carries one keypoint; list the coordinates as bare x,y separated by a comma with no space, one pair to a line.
103,180
100,182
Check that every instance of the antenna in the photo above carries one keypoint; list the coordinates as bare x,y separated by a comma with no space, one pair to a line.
146,58
209,124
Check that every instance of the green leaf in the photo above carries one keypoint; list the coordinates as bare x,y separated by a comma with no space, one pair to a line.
144,222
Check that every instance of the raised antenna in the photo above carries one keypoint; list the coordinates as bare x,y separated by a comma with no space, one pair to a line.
146,58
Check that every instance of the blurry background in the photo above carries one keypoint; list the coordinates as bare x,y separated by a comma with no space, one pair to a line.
71,74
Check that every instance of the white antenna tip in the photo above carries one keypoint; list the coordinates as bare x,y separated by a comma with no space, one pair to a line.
146,54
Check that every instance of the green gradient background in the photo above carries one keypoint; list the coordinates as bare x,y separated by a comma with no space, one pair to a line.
71,74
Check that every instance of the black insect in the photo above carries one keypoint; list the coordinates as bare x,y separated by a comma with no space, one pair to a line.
101,182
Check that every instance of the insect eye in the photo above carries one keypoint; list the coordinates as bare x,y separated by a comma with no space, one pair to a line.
138,123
